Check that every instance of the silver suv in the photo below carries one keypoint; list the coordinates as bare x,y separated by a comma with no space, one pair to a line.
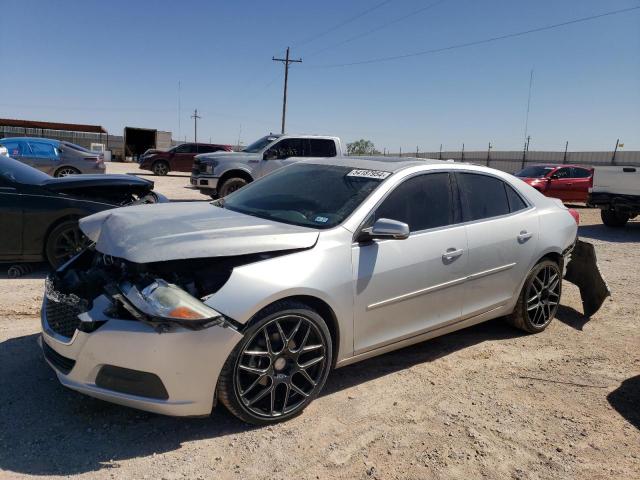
218,174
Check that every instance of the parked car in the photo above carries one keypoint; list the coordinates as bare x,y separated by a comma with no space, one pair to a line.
569,183
251,300
616,192
54,157
178,158
220,174
39,214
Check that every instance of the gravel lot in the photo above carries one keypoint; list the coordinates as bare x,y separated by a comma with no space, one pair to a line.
483,402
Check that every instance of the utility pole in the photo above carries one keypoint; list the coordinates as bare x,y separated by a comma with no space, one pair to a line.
462,160
489,154
613,158
525,150
286,62
566,147
417,154
195,117
440,154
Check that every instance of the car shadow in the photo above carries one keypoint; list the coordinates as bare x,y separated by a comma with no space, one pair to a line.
572,317
630,233
625,400
46,429
21,271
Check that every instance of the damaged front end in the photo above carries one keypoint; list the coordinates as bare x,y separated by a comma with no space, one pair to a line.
583,271
164,295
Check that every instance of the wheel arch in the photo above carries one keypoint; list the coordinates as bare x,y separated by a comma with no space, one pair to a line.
236,172
324,310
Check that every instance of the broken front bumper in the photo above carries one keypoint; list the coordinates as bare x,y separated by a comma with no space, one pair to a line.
129,363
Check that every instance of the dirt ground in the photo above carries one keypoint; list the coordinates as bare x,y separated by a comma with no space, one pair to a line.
486,402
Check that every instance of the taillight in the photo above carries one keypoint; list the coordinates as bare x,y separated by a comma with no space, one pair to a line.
575,214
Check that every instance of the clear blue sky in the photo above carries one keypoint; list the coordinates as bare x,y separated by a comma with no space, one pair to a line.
118,63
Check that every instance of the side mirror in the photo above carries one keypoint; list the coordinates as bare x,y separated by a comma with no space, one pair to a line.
270,155
385,229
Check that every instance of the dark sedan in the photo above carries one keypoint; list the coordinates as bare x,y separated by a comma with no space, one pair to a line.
39,214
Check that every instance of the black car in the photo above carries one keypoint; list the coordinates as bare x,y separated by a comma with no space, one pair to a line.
39,214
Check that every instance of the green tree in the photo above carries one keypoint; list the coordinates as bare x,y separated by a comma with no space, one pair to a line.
361,147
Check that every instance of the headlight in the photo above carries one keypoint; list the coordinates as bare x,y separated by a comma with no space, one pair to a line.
210,168
166,301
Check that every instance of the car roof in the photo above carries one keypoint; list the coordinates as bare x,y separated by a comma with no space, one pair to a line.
30,139
389,164
558,165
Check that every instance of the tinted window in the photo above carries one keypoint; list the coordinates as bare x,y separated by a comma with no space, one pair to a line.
43,150
207,149
536,171
16,148
77,148
580,172
259,144
318,196
484,196
421,202
185,148
515,200
291,147
323,148
562,173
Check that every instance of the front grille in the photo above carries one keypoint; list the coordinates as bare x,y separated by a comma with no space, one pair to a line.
61,363
63,318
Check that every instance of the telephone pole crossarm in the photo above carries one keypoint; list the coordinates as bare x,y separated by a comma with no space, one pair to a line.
287,61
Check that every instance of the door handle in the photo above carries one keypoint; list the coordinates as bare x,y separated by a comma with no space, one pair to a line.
524,236
451,254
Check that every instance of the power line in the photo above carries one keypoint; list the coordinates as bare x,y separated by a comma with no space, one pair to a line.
379,27
341,24
477,42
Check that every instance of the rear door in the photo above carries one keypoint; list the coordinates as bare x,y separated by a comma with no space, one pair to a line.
44,156
321,147
182,159
581,183
502,231
407,287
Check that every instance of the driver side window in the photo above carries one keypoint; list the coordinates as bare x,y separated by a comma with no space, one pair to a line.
289,147
562,173
184,148
422,202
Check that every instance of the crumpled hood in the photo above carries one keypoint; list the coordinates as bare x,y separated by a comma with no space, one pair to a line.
172,231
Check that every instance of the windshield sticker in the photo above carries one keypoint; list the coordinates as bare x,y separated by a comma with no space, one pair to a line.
379,174
322,219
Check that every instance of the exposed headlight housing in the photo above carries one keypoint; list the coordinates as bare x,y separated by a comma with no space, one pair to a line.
167,302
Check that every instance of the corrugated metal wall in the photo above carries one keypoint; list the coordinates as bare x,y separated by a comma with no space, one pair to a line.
512,161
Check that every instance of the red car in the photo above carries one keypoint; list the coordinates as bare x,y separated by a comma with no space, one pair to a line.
178,158
569,183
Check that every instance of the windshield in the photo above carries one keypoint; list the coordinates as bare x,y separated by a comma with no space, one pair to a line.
258,145
534,172
16,171
308,195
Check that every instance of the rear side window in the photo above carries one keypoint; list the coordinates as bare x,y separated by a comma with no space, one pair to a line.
421,202
45,150
291,147
580,172
207,149
483,196
185,148
323,148
515,200
16,149
562,173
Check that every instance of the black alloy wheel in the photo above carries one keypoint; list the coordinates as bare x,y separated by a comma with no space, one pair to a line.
279,368
65,241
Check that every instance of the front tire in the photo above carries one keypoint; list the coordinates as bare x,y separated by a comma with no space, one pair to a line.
230,185
611,218
64,241
279,367
64,171
539,299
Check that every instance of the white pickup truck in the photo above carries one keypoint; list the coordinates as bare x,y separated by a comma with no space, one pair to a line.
616,192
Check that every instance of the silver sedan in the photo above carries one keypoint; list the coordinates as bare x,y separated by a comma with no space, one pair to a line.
251,300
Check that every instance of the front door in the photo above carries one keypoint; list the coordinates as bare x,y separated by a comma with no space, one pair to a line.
407,287
11,219
182,160
280,154
561,185
502,232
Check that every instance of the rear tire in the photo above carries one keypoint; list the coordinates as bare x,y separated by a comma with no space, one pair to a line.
611,218
230,185
64,171
265,380
539,299
160,168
